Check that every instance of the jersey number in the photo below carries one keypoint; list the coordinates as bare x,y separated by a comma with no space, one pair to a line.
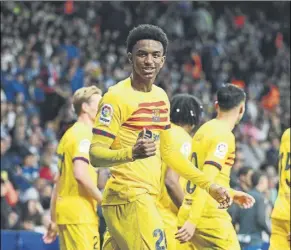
95,246
286,166
190,187
160,233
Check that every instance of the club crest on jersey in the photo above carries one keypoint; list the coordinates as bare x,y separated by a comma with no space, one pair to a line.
156,115
221,150
106,114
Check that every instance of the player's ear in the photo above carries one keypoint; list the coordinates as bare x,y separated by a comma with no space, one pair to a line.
242,108
84,107
163,61
216,105
129,56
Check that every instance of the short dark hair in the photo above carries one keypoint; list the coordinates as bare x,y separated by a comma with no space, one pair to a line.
243,171
256,176
186,109
230,96
149,32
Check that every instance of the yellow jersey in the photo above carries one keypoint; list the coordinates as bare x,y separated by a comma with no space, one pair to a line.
281,209
74,205
167,208
122,115
123,122
212,145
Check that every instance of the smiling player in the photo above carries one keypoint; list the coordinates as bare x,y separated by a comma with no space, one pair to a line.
132,135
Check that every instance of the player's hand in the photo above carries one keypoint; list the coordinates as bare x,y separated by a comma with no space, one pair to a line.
221,195
289,237
144,147
51,234
186,232
243,199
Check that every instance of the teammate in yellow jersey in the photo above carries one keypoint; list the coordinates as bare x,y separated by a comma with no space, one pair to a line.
280,236
75,196
213,151
132,135
185,114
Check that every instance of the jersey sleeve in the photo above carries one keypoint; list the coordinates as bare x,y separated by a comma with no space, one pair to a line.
221,151
81,147
111,114
108,120
172,156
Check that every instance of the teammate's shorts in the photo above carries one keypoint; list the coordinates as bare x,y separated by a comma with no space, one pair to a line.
215,238
280,231
79,237
174,244
108,242
135,225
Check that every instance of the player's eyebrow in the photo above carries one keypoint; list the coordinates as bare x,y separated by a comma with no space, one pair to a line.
149,51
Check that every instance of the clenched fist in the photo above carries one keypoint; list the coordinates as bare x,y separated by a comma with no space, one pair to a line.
144,147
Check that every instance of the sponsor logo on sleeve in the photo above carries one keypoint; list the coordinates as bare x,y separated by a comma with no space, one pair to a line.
221,150
186,149
106,114
84,146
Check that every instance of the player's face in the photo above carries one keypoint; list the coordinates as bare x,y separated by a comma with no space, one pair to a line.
147,58
92,106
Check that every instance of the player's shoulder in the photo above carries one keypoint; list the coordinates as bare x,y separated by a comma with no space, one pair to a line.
180,133
76,133
119,88
286,136
215,129
160,92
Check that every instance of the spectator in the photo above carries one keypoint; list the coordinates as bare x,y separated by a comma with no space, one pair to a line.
47,54
254,221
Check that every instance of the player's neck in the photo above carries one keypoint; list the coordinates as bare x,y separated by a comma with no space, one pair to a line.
140,84
187,128
228,118
85,119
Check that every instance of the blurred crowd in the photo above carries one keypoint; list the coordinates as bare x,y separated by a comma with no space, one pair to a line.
50,49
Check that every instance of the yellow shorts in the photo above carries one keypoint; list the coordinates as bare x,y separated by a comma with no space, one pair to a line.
280,231
108,242
215,239
135,225
172,243
79,237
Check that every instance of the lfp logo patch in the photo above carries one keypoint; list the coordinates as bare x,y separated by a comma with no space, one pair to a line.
106,114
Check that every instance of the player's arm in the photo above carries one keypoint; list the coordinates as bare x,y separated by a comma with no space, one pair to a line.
52,231
174,158
107,124
103,175
81,167
174,188
81,173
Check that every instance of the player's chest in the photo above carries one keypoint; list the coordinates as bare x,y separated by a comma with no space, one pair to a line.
152,114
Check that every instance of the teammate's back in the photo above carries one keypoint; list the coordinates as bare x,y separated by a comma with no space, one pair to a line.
280,237
214,144
71,194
